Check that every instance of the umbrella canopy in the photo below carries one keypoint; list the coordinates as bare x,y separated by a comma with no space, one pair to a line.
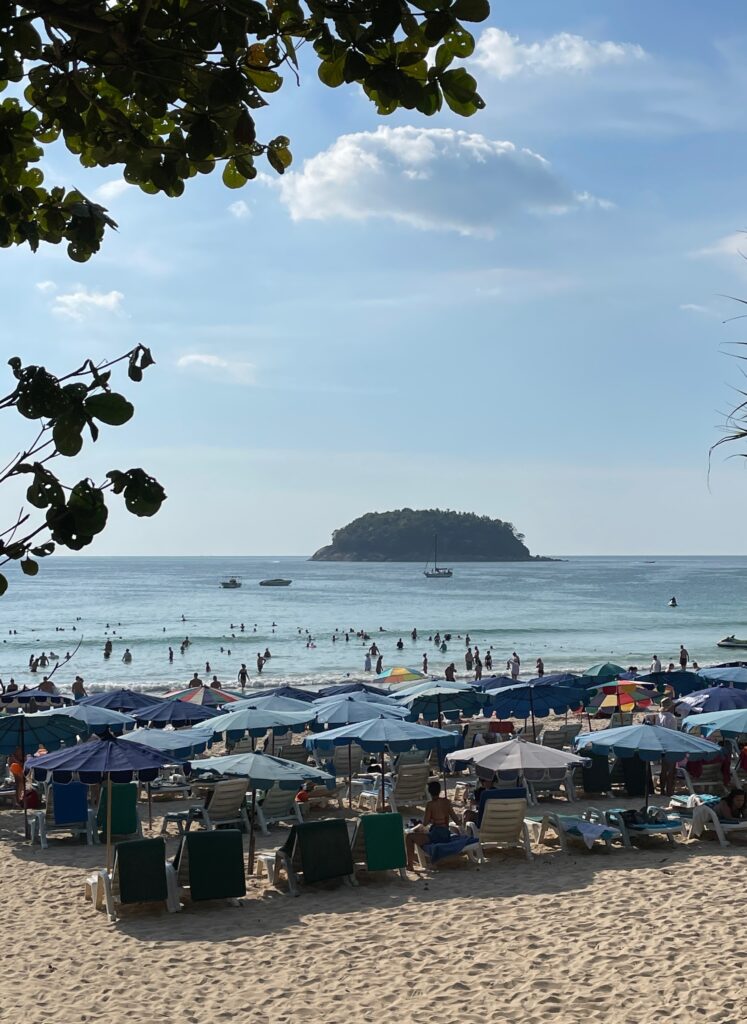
363,697
514,755
432,685
437,698
399,675
177,744
558,679
93,720
626,696
208,695
99,759
17,698
603,673
31,731
729,723
495,682
353,687
262,770
284,691
649,742
681,681
715,698
532,700
174,712
256,722
273,703
345,710
735,674
380,734
120,700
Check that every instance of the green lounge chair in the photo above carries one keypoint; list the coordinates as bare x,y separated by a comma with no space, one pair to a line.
140,875
125,819
378,843
318,850
211,865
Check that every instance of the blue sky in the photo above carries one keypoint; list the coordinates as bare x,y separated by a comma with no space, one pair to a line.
517,314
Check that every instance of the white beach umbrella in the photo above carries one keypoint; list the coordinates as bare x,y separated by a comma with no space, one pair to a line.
514,755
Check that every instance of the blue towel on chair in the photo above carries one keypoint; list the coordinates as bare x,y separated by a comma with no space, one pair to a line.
437,851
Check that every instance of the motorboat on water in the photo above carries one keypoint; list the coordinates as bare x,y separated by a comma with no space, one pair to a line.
732,641
275,583
232,583
437,572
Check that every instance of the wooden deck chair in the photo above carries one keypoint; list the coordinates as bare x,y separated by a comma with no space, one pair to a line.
140,875
278,805
211,865
224,807
66,810
503,826
378,843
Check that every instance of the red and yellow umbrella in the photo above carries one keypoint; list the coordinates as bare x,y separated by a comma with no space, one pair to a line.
395,676
208,695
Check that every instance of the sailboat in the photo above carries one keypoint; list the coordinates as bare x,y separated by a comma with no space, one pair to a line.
437,572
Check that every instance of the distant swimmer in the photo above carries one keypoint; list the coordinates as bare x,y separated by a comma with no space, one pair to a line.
400,645
171,654
673,602
260,663
450,673
267,654
208,670
514,665
539,667
127,657
488,659
443,648
468,659
379,665
215,683
414,634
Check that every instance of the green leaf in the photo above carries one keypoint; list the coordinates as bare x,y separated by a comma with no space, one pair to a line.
29,567
232,176
110,408
3,584
279,158
266,81
332,72
471,10
67,434
444,56
143,494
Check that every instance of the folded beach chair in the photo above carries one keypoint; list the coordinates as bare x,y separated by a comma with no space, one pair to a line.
701,818
378,843
317,850
225,806
278,805
67,810
211,865
587,827
501,823
140,875
549,781
669,829
125,818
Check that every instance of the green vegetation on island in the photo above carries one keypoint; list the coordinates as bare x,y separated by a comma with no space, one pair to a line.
406,535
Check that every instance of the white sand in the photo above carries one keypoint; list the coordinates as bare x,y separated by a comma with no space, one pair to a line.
633,936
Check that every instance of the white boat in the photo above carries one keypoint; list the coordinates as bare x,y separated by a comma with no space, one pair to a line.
731,641
232,583
275,583
437,572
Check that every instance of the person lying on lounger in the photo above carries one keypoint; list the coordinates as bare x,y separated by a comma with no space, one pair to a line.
733,806
435,826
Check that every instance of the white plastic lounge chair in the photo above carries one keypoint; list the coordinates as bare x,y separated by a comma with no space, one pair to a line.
549,781
554,738
503,826
704,819
62,817
587,828
278,805
409,789
670,828
225,806
710,780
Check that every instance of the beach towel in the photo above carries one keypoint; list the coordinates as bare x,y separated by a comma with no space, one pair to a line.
323,847
384,841
453,846
216,864
141,866
589,831
69,803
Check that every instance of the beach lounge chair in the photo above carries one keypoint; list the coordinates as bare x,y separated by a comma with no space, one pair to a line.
66,810
670,828
549,781
378,843
211,865
438,853
140,875
501,822
571,731
317,850
710,779
225,806
125,817
587,827
554,738
700,818
619,718
296,752
410,757
409,789
278,805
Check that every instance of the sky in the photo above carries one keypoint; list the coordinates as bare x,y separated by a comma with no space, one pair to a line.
519,314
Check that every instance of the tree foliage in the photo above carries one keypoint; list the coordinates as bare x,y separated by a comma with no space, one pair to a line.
406,535
65,410
168,89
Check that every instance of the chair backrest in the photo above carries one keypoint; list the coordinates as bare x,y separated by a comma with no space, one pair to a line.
506,780
571,731
502,821
125,820
710,774
554,738
379,842
410,783
411,757
347,758
139,871
67,803
212,864
553,776
226,800
619,718
473,729
293,752
517,793
278,801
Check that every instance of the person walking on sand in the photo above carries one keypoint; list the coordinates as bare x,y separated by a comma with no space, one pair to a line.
243,677
684,657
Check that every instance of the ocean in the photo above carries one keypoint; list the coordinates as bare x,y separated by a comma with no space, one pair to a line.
571,613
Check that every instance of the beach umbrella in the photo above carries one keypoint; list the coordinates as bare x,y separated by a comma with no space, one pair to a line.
234,725
514,755
399,675
606,672
362,697
532,700
729,723
174,712
352,687
345,711
210,696
93,720
715,698
19,698
272,702
120,700
382,734
283,691
558,679
416,689
177,744
734,674
619,696
104,759
437,699
680,681
494,682
649,742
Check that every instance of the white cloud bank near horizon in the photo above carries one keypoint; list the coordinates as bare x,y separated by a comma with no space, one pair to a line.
504,56
430,179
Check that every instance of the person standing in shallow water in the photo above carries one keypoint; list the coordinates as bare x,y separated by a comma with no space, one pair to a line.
425,664
379,665
367,663
450,673
260,663
243,677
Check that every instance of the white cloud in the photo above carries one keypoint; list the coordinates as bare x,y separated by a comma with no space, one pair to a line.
46,286
80,303
112,189
730,245
429,178
240,210
693,307
236,370
502,55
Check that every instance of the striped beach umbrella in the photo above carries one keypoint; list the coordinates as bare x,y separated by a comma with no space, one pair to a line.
400,675
208,695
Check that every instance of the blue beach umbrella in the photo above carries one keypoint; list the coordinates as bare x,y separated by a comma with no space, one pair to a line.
362,697
177,744
533,700
263,770
352,687
345,711
93,720
735,674
494,682
715,698
284,691
256,722
681,681
19,698
558,679
729,723
121,700
175,712
272,702
39,730
436,699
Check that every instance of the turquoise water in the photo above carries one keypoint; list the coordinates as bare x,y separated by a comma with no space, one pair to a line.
570,613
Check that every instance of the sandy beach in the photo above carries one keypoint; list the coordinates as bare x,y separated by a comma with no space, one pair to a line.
625,937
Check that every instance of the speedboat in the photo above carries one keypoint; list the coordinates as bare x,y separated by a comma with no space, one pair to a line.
731,641
232,583
275,583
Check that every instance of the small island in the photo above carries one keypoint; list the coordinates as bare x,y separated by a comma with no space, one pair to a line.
407,535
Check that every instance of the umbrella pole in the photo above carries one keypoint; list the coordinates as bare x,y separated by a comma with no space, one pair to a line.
109,823
531,708
23,776
383,794
648,779
350,774
150,809
251,831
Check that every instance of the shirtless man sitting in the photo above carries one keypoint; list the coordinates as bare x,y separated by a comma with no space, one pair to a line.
435,827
